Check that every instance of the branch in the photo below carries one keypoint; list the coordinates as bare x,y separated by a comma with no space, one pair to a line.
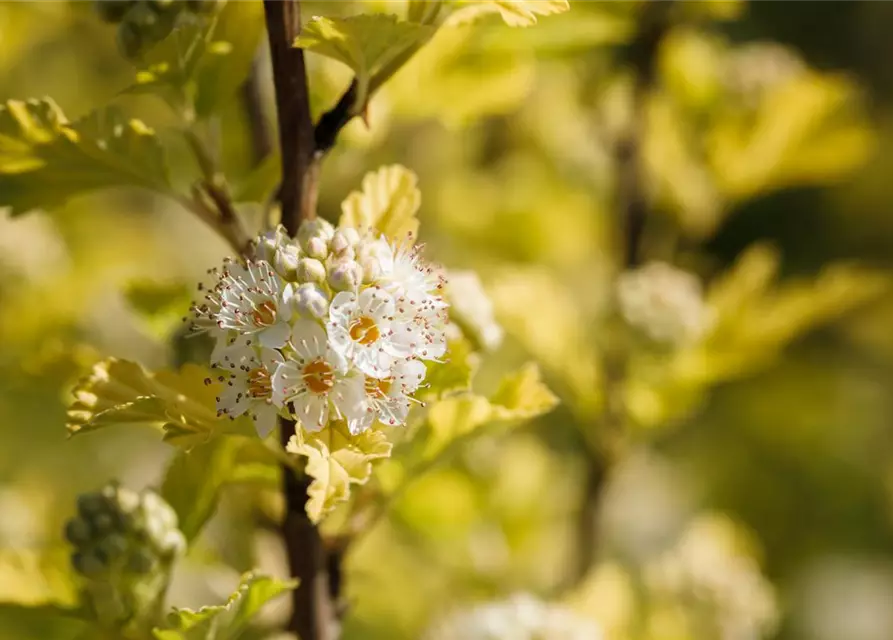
300,171
632,208
313,612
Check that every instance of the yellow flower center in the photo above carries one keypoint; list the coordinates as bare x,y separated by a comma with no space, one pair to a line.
265,314
319,376
364,330
378,388
259,383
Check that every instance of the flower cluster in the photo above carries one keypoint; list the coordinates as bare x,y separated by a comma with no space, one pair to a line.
329,325
665,303
718,580
521,617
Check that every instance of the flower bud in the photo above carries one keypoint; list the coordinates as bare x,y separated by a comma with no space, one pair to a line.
311,301
314,236
276,248
345,275
311,270
345,238
124,545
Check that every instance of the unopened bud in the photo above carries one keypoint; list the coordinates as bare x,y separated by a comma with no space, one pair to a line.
345,275
345,238
311,270
314,236
311,301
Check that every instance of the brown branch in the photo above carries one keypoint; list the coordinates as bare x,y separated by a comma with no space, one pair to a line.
300,171
313,612
632,208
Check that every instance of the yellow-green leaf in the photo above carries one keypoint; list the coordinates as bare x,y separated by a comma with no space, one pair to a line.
335,460
227,621
521,396
160,306
453,374
45,159
388,202
515,13
194,479
183,403
370,44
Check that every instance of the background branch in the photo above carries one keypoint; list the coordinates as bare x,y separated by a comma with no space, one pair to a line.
632,210
313,613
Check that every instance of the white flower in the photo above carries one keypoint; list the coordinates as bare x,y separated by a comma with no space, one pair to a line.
247,386
311,301
250,300
389,399
406,276
360,329
419,330
664,302
473,309
315,380
521,617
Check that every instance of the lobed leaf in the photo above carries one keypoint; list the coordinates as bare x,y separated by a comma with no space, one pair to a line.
521,396
227,621
370,44
388,203
45,159
515,13
336,459
182,403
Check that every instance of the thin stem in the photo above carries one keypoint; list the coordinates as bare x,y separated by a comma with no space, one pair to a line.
313,610
632,208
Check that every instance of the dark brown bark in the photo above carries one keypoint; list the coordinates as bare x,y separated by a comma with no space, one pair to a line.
313,612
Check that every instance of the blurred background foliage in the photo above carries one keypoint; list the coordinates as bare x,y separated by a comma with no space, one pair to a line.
767,443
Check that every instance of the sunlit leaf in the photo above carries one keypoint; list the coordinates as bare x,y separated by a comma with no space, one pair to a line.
521,396
388,202
45,159
227,621
453,374
335,460
367,43
515,13
183,403
25,622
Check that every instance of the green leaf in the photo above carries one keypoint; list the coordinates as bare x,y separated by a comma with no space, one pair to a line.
423,11
183,403
388,202
370,44
205,62
335,460
515,13
194,479
454,374
26,622
45,159
521,396
159,305
227,621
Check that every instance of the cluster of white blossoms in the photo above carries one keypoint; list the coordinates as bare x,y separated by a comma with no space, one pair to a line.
708,571
521,617
329,325
665,303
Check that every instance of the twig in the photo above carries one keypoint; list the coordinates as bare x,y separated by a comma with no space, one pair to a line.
632,208
313,612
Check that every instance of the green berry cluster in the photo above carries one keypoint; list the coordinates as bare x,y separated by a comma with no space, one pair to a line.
120,530
124,546
143,23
